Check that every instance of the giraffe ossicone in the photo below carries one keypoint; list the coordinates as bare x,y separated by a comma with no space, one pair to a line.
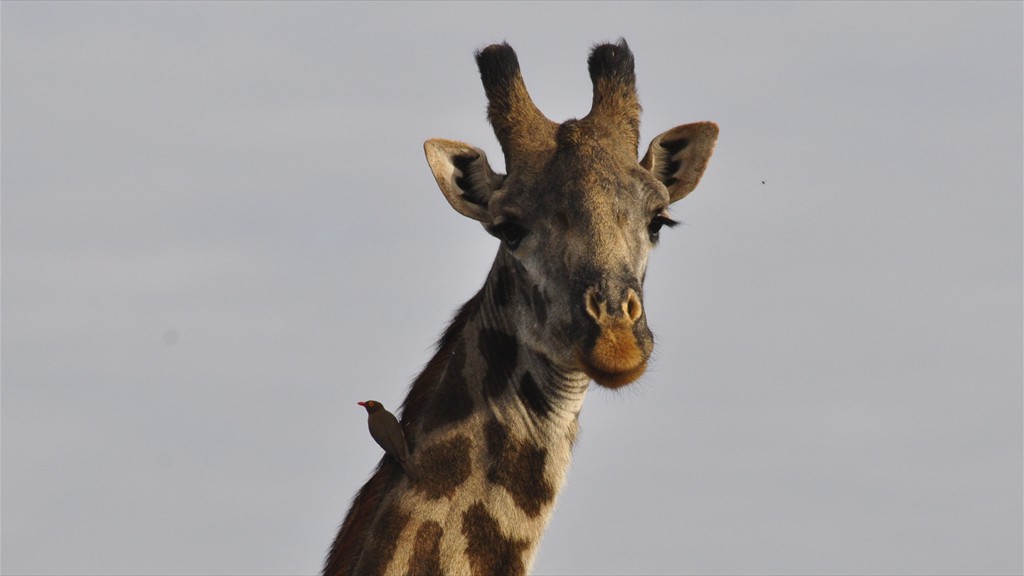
491,420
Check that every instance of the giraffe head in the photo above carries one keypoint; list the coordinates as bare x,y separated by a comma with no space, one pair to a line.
577,214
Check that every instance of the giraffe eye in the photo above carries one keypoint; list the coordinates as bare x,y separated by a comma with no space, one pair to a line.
510,233
654,227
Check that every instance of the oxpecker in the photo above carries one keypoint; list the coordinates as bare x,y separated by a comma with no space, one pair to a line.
387,432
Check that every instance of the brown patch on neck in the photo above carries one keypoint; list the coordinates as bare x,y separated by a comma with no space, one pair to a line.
444,466
518,466
350,542
426,552
489,550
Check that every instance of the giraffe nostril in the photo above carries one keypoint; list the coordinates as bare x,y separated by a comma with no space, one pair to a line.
593,302
632,306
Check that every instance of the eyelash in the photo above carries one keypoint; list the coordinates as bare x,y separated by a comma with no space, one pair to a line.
657,222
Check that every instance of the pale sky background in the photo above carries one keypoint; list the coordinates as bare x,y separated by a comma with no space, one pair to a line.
219,232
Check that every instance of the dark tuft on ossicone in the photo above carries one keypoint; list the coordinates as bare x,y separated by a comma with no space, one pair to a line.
616,110
499,67
613,62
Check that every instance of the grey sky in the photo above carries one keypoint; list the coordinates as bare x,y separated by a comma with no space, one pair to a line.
219,232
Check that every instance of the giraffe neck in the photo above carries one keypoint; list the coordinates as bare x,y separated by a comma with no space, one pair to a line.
490,424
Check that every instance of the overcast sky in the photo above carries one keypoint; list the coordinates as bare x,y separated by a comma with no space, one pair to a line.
219,232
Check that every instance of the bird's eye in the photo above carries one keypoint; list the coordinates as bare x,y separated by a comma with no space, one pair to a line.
510,233
654,227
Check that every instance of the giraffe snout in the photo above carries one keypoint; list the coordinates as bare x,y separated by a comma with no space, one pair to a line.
621,342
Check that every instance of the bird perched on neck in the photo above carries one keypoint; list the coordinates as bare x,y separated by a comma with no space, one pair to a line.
387,432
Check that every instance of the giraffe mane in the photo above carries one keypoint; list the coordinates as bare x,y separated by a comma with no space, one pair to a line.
348,545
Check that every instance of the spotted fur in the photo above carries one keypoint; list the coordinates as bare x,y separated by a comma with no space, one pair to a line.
444,466
533,397
489,550
382,544
500,352
452,401
426,556
518,466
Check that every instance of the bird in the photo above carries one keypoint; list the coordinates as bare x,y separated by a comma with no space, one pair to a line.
387,432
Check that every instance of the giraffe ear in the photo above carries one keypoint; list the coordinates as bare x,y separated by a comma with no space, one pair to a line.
465,177
679,156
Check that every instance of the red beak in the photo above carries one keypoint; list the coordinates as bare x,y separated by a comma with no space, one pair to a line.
363,404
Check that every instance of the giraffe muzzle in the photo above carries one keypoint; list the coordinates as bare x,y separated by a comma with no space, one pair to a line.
617,354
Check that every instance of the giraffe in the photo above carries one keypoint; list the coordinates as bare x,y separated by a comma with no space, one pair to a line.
492,419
